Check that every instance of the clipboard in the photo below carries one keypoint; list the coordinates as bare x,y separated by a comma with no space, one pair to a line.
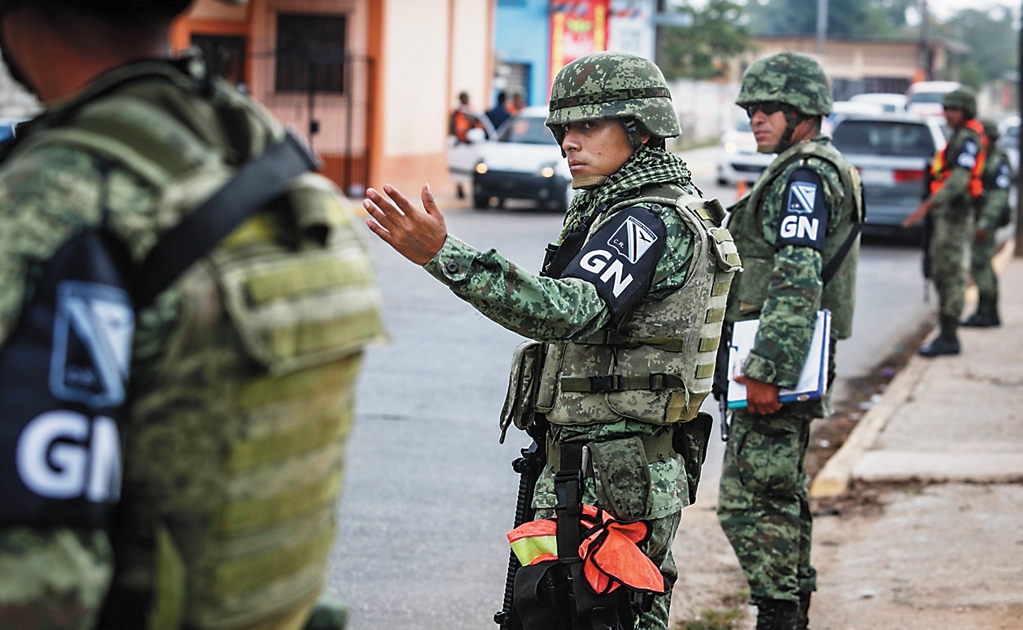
813,380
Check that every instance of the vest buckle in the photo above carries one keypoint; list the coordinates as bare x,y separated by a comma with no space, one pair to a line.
607,383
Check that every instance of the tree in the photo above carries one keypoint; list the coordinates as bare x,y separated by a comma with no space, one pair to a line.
846,18
992,41
714,34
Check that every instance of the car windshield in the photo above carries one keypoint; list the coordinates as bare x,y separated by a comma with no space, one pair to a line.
743,125
528,130
927,97
872,137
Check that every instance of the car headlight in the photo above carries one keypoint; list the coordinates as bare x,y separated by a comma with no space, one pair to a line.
547,171
731,147
481,167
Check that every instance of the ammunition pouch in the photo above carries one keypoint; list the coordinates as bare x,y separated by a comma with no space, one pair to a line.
690,440
555,596
523,386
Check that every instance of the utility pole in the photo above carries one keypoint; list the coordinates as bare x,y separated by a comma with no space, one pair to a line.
1019,171
925,55
822,26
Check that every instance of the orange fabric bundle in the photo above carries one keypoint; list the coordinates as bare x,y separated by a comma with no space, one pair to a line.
609,550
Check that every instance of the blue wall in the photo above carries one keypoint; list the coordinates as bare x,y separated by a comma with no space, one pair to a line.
522,36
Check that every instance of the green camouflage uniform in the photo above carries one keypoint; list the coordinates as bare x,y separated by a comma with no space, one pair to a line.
990,216
238,408
560,310
763,503
953,213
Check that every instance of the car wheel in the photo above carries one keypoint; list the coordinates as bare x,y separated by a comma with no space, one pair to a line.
566,201
481,202
722,181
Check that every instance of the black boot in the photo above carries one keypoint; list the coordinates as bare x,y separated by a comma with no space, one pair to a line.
946,342
803,620
986,315
777,614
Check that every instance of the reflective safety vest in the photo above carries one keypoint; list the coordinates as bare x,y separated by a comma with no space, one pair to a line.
940,169
609,550
657,365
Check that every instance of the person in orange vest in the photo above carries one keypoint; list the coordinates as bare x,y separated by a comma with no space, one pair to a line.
463,119
956,187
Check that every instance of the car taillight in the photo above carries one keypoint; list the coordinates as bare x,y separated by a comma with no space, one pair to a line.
902,175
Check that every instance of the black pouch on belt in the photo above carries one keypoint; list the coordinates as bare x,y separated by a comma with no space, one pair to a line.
690,440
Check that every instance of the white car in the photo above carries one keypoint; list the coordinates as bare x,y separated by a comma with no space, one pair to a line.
524,163
923,98
738,159
891,103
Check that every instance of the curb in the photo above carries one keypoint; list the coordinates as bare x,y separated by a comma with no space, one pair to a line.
833,479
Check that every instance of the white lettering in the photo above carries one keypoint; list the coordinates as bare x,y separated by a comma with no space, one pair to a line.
50,468
595,261
105,460
616,270
807,228
788,226
52,458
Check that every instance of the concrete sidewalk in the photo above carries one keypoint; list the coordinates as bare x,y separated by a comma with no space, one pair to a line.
933,534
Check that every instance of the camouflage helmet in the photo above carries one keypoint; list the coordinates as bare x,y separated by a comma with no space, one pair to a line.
990,129
613,85
961,98
790,78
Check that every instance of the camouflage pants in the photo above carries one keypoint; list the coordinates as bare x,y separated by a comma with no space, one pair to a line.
982,272
947,250
54,579
658,549
763,503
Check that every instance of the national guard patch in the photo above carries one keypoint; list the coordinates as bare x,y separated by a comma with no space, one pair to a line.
804,220
968,155
621,258
1004,177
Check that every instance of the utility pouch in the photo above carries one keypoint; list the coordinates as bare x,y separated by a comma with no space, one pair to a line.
555,595
622,476
690,440
523,385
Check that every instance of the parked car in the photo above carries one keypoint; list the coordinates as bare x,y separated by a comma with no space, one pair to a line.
843,109
738,159
1008,140
524,163
923,98
891,103
892,153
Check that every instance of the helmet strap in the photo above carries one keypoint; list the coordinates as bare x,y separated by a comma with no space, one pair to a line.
634,131
792,120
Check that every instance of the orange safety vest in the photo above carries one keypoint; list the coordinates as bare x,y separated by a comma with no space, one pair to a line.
940,169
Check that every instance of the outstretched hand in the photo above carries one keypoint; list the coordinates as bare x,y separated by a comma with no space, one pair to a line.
918,215
414,233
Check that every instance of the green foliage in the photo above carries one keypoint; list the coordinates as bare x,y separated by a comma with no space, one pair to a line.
992,40
714,620
872,19
716,32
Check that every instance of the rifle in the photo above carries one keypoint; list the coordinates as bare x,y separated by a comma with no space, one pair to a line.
719,388
529,466
927,234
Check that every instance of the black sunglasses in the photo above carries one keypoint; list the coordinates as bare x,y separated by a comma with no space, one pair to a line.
768,107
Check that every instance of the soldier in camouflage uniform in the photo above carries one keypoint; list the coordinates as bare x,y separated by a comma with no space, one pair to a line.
956,188
801,214
239,376
992,213
643,265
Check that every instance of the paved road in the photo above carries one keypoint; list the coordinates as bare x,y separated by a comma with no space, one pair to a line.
429,492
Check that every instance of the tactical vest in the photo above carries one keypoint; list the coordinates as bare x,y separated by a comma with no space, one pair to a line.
940,169
749,290
241,390
658,364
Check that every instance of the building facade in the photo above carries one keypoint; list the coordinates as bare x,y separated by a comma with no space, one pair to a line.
370,82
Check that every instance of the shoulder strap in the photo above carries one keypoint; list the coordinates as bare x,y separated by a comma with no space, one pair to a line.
831,268
256,183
